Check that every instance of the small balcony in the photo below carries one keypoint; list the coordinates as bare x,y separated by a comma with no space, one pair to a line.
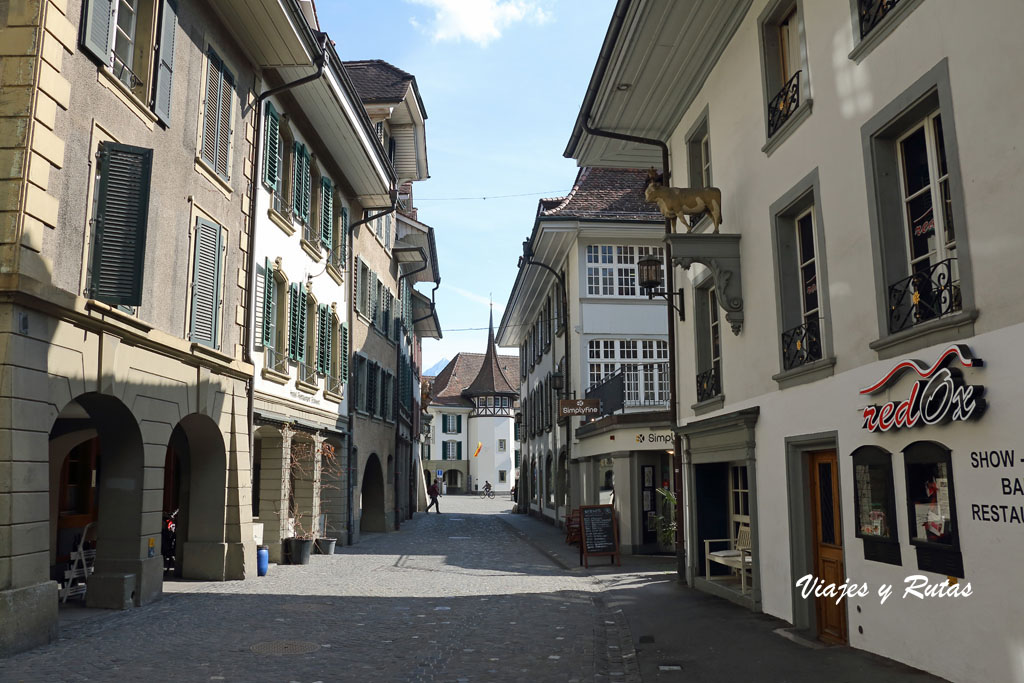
929,293
307,373
784,104
275,360
801,345
635,387
709,384
333,385
872,12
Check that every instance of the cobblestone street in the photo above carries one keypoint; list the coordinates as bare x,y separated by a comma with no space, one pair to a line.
455,596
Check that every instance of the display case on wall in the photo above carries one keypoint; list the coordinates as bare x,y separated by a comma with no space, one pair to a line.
931,508
875,504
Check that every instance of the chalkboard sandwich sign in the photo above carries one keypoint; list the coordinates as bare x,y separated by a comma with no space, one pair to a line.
600,534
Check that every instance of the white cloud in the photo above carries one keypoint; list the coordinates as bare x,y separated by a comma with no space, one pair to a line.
479,21
473,296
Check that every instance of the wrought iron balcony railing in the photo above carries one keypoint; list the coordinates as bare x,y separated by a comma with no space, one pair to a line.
709,384
634,385
925,295
280,205
872,12
336,257
801,345
307,372
311,233
275,360
334,385
785,102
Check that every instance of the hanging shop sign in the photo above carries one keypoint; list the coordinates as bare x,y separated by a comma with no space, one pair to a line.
579,406
940,395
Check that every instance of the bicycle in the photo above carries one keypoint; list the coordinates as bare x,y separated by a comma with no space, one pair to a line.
487,494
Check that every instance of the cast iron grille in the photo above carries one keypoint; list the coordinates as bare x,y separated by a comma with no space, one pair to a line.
929,293
784,104
801,345
709,385
872,12
828,521
275,360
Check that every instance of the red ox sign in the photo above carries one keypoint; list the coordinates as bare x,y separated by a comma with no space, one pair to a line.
939,396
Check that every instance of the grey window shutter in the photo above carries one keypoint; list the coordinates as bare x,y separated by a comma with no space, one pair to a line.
119,228
301,349
327,213
165,61
268,304
97,16
211,110
227,96
343,360
206,283
293,321
271,146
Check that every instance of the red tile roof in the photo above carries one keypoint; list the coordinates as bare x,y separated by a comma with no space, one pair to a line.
462,370
604,193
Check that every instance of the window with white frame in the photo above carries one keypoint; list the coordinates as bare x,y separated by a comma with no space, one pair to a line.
644,365
611,270
502,445
709,347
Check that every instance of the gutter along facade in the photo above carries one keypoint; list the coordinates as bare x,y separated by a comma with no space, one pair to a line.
617,349
846,416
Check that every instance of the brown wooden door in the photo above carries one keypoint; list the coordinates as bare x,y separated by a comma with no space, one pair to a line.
827,540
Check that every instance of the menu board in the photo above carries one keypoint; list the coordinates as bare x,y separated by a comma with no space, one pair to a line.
600,532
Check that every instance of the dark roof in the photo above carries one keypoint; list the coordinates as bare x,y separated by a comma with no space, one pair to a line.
460,373
491,379
378,81
604,193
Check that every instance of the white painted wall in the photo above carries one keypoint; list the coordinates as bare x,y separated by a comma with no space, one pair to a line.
488,430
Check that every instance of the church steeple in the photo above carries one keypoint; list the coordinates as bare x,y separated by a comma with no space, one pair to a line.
490,380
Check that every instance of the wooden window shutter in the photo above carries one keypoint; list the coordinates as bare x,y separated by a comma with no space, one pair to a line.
458,446
306,180
271,147
355,286
326,213
444,423
211,110
343,237
293,321
343,348
329,343
165,61
372,284
206,267
297,179
458,424
96,34
322,339
268,304
301,351
119,228
227,95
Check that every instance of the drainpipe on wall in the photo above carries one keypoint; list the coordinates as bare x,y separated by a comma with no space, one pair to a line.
669,287
250,319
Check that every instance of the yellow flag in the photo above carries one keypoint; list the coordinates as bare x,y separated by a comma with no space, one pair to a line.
479,445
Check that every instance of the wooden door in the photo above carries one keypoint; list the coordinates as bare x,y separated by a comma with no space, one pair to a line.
827,541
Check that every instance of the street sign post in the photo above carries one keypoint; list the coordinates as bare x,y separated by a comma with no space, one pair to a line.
579,406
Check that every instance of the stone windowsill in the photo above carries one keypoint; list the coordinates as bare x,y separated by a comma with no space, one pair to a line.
275,376
786,129
306,387
203,169
130,99
331,396
806,373
708,405
335,274
281,222
204,350
945,329
117,314
312,249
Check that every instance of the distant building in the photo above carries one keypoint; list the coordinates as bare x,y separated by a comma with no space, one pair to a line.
472,405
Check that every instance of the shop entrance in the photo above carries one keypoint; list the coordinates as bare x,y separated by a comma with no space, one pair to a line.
827,543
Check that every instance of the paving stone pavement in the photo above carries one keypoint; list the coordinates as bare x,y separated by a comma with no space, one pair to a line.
457,596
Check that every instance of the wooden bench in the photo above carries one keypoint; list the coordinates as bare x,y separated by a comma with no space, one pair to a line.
737,555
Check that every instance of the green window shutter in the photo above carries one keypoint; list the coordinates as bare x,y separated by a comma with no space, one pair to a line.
343,238
343,360
329,343
297,179
227,95
206,266
96,18
119,228
306,179
323,340
444,423
458,424
326,213
458,447
372,297
293,321
165,61
301,350
211,110
268,304
271,147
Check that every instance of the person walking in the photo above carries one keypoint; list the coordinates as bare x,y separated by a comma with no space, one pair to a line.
434,495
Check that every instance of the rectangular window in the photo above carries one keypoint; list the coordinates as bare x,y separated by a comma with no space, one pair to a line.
120,218
875,504
502,476
931,506
784,71
361,379
501,445
644,366
363,289
218,114
207,264
709,349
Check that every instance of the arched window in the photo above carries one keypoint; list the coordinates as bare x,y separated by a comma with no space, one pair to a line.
931,508
549,481
875,504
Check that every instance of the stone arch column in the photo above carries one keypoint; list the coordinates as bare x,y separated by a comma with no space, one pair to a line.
274,481
305,475
334,487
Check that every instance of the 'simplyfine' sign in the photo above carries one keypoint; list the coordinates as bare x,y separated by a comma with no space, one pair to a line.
579,406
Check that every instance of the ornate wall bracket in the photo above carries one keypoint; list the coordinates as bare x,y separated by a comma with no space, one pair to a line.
721,255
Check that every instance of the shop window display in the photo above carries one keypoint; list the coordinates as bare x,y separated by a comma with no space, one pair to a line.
931,504
875,504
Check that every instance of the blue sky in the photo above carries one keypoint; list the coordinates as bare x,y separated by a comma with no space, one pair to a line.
502,82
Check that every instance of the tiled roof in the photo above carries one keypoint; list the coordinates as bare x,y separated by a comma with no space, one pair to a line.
604,193
491,379
378,81
460,373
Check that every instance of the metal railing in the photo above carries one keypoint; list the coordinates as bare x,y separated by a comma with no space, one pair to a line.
872,12
801,345
307,372
927,294
275,360
334,385
785,102
632,385
311,233
709,384
125,74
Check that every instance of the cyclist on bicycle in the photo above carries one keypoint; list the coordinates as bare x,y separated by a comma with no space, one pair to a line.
487,486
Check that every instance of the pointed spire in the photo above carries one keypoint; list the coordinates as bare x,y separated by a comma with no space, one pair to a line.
491,379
